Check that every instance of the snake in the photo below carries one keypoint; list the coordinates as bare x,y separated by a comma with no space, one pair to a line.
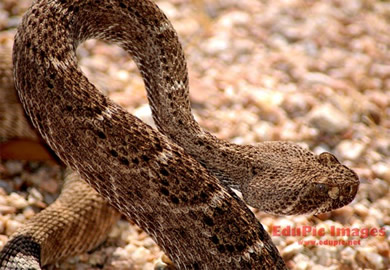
174,182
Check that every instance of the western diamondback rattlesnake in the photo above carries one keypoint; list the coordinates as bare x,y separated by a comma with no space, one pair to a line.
197,221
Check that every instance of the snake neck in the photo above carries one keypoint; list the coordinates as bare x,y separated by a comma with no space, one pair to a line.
227,161
173,117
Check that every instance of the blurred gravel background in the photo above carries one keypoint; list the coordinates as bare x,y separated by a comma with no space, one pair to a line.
313,72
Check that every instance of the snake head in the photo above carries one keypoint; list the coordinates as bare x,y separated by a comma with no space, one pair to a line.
341,190
296,181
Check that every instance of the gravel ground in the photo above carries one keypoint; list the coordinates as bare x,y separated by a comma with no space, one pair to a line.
313,72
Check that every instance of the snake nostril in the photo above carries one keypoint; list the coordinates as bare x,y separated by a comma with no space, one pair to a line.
351,190
354,189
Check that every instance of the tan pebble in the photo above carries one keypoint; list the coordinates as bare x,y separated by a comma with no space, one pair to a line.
14,167
96,259
350,150
324,216
148,266
17,201
50,185
325,254
263,131
5,209
11,226
302,262
377,189
140,255
3,240
380,99
383,248
148,242
291,250
145,114
120,252
343,214
300,220
2,226
382,170
41,205
168,8
130,248
159,264
164,263
124,264
3,198
381,70
166,259
115,232
328,119
284,223
376,215
34,196
83,258
28,212
371,221
364,172
375,259
122,75
279,241
267,221
288,240
20,218
361,210
137,242
348,254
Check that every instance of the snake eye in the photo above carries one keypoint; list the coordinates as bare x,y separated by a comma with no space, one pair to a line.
321,188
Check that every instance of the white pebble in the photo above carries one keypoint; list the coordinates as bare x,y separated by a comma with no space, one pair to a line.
350,150
17,201
328,119
11,226
291,250
140,255
348,254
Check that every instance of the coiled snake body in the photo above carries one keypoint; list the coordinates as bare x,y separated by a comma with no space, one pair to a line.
174,183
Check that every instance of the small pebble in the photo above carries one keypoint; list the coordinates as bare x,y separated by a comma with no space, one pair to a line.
350,150
328,119
17,201
11,226
291,250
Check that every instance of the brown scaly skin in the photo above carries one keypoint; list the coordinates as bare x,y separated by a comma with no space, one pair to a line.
253,170
13,123
198,223
78,213
65,228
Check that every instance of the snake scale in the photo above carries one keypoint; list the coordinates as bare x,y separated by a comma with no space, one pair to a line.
173,182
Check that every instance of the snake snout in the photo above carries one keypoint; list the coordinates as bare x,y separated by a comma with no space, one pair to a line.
343,195
346,193
351,190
